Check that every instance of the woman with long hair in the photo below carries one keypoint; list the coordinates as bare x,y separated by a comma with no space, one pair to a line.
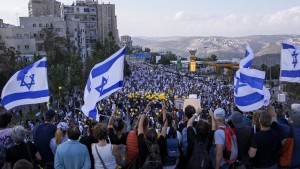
104,153
60,136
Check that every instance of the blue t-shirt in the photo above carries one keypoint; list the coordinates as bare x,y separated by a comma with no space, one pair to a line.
42,136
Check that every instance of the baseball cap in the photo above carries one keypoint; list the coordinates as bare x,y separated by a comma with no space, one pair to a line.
50,114
219,114
237,120
63,126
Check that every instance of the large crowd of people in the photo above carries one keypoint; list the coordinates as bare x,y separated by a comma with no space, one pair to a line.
141,127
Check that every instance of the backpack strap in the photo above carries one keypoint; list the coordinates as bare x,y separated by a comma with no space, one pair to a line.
100,157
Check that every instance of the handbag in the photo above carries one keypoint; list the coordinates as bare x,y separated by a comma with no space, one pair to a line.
34,161
100,157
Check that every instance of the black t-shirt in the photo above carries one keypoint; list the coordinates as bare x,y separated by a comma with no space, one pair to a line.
88,141
114,137
143,149
268,145
244,137
18,152
191,138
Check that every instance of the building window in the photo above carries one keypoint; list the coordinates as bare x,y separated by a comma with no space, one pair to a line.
26,47
75,29
47,25
34,35
19,47
78,9
34,25
57,29
40,25
86,10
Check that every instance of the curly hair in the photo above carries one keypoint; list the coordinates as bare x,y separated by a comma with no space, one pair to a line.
18,134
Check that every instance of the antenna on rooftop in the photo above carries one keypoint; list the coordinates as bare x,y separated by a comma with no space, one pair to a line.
17,18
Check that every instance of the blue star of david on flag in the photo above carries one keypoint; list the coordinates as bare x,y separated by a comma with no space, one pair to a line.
103,83
294,55
21,88
28,84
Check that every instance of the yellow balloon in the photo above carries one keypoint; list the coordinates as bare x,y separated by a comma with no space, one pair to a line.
162,96
160,110
157,114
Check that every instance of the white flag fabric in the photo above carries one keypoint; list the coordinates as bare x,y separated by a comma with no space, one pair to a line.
249,90
290,63
27,86
104,79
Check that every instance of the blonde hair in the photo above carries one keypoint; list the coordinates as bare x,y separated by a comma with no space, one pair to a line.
59,134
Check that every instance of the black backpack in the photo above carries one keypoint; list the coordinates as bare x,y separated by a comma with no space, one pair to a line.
152,162
200,157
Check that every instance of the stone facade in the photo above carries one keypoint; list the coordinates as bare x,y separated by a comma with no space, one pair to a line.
38,8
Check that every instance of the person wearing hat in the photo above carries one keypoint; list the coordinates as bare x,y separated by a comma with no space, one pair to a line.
218,121
72,154
60,136
42,135
243,135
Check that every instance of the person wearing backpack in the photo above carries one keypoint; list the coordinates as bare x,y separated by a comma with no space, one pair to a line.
118,138
198,143
290,150
224,140
172,143
149,149
188,113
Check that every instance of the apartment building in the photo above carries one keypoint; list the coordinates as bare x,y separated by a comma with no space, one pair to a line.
38,8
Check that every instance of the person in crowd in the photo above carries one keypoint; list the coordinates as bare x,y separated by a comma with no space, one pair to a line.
243,135
5,137
23,164
60,136
171,132
294,121
42,135
89,140
72,154
20,149
132,142
104,153
199,133
255,121
219,138
265,145
293,116
115,127
189,111
147,138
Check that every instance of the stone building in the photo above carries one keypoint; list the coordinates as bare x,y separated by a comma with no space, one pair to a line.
38,8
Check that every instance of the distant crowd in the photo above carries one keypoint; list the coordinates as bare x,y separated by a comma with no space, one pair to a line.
142,127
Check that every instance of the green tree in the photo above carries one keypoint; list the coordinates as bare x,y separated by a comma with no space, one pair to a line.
10,63
167,57
57,77
76,71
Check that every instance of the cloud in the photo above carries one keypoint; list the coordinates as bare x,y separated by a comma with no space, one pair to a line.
282,22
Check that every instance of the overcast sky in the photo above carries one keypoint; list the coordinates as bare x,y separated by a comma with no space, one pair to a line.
159,18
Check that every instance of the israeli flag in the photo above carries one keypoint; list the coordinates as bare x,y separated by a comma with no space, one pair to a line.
290,63
104,79
249,90
27,86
